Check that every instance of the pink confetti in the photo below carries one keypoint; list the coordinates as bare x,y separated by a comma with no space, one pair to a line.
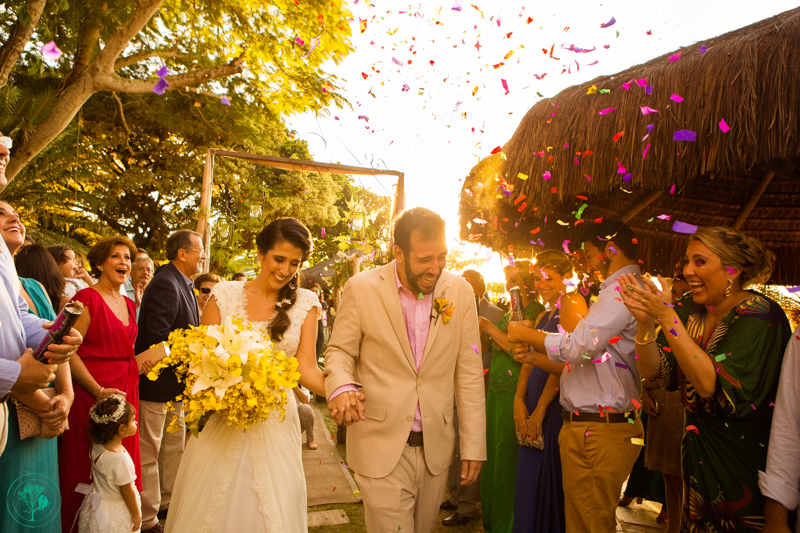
323,233
299,41
663,217
51,52
505,84
676,98
672,190
396,61
627,85
620,168
609,23
724,126
565,246
607,111
646,110
676,57
644,155
546,175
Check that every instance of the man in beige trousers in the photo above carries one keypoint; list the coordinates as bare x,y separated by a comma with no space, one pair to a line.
407,334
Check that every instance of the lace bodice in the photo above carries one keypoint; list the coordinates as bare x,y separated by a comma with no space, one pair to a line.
232,301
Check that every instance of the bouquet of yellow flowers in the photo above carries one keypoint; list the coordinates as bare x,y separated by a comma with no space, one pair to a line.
231,369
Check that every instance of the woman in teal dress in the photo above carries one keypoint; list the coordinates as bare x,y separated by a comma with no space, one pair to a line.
722,347
499,471
29,491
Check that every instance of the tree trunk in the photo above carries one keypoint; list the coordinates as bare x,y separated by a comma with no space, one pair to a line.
19,37
68,105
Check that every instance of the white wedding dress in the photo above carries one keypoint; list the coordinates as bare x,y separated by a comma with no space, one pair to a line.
249,481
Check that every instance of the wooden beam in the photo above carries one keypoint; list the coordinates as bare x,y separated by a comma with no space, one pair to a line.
640,205
203,223
752,200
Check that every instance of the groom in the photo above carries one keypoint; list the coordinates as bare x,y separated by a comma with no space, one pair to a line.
407,333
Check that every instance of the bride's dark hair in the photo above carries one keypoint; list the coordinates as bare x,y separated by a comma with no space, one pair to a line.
294,232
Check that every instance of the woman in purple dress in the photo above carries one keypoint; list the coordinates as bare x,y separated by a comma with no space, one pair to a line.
539,493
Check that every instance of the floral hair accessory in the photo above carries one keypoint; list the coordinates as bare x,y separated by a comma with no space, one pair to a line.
6,141
113,417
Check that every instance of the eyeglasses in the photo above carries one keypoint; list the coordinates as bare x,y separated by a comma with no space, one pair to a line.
205,290
193,250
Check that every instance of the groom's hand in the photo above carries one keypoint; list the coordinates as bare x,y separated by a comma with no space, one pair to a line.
346,409
469,472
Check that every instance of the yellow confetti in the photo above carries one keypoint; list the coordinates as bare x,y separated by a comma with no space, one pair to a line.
592,89
522,176
474,90
511,53
640,442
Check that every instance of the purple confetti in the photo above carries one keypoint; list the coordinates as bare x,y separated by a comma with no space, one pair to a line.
703,49
621,365
649,131
674,333
627,177
224,100
162,72
609,23
648,90
794,289
161,86
457,6
685,135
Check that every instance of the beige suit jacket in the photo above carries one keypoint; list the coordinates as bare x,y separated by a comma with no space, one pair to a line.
369,347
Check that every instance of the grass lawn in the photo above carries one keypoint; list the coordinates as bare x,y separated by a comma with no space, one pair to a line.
355,511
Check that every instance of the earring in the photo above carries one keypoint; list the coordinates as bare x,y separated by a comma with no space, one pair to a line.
728,288
100,269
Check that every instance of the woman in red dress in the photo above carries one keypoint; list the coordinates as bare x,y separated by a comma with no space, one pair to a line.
103,365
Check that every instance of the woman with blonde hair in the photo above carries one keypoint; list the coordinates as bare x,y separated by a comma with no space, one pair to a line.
722,347
539,493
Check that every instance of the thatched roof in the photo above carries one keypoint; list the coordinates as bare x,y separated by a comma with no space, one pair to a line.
747,77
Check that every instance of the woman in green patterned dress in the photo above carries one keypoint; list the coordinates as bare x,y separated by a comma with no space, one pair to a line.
723,348
499,471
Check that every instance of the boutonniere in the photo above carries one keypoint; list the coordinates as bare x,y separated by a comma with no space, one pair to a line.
442,308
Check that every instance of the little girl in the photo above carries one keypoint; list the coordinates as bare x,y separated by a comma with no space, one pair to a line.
114,505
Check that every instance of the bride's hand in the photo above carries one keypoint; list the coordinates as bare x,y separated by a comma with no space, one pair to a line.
346,408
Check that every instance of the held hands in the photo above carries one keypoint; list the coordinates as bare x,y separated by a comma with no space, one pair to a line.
56,412
648,404
347,408
484,325
61,353
523,353
648,303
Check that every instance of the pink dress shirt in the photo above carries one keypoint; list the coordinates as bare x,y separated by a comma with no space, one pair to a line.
417,316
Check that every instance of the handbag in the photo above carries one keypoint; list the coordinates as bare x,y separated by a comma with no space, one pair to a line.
526,441
30,425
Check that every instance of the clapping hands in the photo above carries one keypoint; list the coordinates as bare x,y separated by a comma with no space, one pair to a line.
347,408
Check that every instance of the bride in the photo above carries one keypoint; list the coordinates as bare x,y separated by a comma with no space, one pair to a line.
253,481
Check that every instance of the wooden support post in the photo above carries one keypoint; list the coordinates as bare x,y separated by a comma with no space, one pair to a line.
203,220
640,205
752,200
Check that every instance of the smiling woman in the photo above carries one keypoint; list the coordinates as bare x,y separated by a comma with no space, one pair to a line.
104,364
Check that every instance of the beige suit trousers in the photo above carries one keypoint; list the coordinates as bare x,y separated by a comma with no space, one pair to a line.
161,454
596,458
407,499
3,427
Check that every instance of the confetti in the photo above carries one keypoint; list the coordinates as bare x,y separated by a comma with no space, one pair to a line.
683,227
546,175
609,23
323,233
675,57
663,217
685,135
161,86
702,49
614,340
522,176
224,101
607,111
505,85
646,110
636,403
676,98
618,135
693,428
794,289
457,6
644,155
724,126
396,61
51,52
640,442
565,246
592,89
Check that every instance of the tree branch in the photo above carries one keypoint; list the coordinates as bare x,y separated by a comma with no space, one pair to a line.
145,9
114,82
140,56
18,38
88,44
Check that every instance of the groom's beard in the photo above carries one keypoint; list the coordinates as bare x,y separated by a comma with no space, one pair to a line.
412,281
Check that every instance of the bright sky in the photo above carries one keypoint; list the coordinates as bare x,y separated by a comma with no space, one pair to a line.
425,119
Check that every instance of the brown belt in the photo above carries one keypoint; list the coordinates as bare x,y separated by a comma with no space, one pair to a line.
608,418
414,438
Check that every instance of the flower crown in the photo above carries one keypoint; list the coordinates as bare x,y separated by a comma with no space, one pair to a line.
113,417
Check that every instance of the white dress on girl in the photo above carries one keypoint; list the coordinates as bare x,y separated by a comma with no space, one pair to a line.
104,510
234,481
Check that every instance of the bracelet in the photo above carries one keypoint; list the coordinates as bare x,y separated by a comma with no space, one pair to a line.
645,343
99,392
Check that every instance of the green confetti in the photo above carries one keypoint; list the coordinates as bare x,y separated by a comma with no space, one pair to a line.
539,94
420,297
720,357
649,220
579,214
605,91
